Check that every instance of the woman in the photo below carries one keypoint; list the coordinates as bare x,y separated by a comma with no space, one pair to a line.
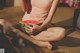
37,16
35,20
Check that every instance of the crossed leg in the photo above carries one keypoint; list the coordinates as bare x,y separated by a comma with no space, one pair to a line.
51,34
42,39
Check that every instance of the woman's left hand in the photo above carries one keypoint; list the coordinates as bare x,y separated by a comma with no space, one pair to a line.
36,28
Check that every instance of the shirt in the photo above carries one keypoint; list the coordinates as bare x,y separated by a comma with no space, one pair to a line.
39,12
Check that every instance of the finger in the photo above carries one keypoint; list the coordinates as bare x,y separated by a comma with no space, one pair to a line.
31,25
29,30
28,26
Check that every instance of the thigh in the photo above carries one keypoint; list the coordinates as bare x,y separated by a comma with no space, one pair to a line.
55,29
45,34
53,32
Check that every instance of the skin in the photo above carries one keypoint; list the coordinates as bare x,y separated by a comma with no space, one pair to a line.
41,39
51,34
54,35
7,25
46,21
36,28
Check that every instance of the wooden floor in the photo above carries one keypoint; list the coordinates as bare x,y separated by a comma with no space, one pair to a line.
62,17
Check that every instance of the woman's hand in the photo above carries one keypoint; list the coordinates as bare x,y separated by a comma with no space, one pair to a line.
32,28
28,28
36,28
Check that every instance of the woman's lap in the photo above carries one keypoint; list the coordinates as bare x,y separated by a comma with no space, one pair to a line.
53,32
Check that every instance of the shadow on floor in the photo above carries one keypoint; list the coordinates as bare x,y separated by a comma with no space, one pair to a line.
69,41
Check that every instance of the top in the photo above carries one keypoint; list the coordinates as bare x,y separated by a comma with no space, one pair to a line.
39,11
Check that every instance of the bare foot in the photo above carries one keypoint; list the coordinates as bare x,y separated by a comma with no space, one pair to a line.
44,44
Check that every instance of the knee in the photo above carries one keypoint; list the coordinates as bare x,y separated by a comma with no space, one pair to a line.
2,22
61,34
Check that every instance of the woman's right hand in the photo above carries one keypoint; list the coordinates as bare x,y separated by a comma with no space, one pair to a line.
27,27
